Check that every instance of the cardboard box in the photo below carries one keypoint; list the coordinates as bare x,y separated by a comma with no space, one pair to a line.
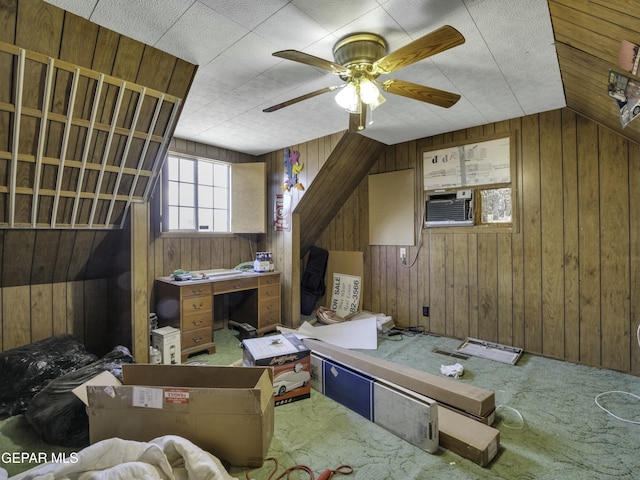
167,340
477,401
290,360
227,411
466,437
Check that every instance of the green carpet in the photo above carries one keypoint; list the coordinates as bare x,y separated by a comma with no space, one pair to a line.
550,426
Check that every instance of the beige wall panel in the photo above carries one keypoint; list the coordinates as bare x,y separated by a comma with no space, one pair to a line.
249,195
392,208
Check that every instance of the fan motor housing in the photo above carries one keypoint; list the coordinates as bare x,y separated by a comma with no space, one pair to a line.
359,48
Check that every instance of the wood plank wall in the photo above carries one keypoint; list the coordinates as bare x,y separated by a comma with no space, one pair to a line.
285,246
565,285
71,281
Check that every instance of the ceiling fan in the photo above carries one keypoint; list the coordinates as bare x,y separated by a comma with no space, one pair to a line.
360,58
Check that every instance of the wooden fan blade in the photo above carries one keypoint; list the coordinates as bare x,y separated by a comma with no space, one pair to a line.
420,92
307,59
437,41
300,98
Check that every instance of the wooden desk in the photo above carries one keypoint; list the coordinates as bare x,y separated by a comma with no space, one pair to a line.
189,305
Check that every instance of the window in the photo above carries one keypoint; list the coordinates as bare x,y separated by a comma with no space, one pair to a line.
196,195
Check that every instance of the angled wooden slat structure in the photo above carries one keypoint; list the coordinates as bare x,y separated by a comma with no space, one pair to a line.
85,170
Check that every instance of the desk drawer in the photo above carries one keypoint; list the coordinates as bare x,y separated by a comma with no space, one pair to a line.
269,310
244,283
271,317
197,320
196,304
270,291
197,337
196,289
269,280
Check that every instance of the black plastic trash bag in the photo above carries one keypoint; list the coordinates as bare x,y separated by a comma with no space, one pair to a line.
26,370
59,417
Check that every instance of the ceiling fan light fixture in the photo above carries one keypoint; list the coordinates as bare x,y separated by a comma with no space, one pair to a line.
369,93
378,101
347,98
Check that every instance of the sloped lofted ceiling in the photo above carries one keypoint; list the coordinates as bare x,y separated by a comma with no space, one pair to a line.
507,67
588,35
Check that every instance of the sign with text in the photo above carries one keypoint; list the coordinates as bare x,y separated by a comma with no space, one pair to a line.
480,163
345,294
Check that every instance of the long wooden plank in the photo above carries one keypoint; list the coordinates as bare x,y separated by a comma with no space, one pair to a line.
15,146
437,283
531,233
63,150
571,254
41,311
488,287
634,254
552,235
589,242
614,251
16,326
460,286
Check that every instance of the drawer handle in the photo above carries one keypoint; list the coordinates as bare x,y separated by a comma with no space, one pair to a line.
197,340
197,307
197,322
196,292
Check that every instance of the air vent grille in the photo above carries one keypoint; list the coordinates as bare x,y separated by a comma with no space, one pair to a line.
447,210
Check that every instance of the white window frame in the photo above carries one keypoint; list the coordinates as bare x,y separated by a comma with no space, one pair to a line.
247,201
177,191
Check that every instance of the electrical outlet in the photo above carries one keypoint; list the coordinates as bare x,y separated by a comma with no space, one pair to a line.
425,311
403,254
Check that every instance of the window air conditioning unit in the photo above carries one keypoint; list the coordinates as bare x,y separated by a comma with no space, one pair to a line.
450,209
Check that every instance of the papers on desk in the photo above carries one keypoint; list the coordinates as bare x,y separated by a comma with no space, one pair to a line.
359,334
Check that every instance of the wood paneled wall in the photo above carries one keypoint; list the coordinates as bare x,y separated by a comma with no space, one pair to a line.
73,281
59,281
285,246
564,284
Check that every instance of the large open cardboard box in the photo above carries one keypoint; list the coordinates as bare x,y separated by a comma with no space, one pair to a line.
227,411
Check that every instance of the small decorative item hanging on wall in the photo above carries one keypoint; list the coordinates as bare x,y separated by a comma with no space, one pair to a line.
292,167
282,213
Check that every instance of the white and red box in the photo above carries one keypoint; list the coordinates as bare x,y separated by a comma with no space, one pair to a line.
290,360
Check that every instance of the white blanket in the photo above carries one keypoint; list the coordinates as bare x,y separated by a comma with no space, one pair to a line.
164,458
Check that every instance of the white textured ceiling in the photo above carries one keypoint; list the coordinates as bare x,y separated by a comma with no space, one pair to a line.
507,67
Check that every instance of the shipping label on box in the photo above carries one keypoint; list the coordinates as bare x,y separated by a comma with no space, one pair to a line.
290,360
